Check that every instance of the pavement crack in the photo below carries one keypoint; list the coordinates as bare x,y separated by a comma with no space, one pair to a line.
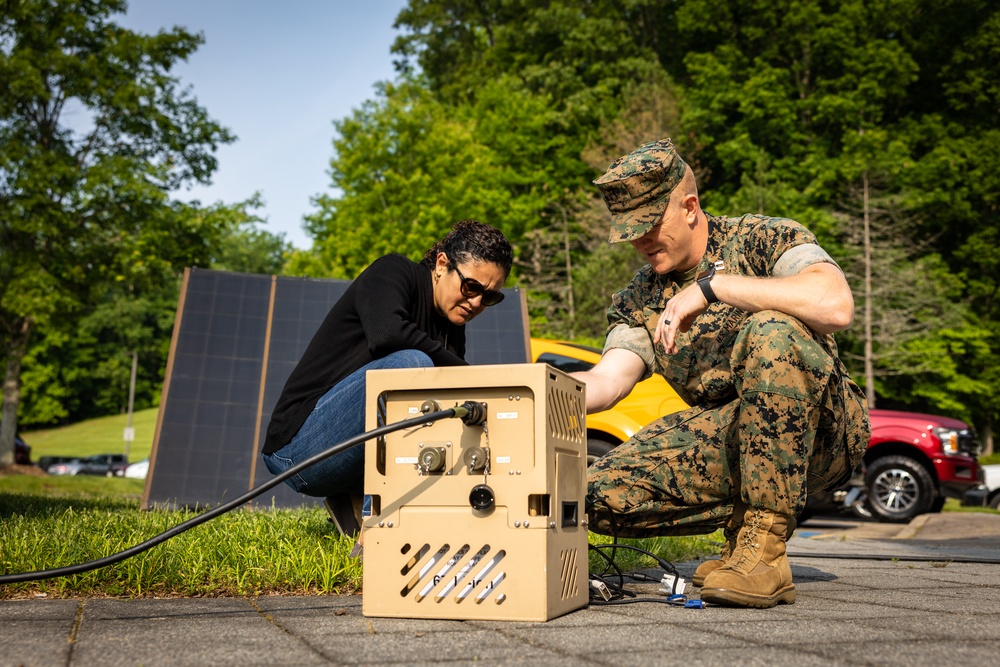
74,632
514,634
315,649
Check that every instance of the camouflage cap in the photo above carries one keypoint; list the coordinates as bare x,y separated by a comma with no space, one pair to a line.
637,187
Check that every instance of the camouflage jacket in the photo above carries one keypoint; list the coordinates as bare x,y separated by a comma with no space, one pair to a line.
700,371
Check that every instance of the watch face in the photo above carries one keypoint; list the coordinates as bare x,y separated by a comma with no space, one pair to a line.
707,273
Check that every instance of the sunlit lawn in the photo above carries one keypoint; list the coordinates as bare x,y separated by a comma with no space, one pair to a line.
104,435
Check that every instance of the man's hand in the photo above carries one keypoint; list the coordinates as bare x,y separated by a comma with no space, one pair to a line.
679,315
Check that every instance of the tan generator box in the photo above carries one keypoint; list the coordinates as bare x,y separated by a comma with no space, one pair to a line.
482,521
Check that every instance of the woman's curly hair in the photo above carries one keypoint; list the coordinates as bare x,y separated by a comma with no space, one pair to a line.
471,240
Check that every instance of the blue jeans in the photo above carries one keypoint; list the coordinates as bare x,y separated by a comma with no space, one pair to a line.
338,416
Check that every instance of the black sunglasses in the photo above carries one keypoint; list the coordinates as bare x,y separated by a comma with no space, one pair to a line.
473,288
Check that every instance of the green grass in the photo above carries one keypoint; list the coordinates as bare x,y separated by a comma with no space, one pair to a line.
672,549
991,459
955,505
56,522
104,435
52,522
83,487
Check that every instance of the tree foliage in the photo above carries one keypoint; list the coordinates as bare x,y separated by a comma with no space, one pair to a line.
96,132
788,108
408,167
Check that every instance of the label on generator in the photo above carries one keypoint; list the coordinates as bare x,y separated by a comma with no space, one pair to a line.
407,460
506,415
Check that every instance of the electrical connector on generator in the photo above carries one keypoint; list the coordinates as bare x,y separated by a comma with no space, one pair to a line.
671,584
601,588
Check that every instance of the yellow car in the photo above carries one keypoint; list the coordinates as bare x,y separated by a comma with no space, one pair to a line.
606,430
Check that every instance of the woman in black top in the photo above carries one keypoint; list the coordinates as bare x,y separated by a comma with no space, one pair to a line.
396,314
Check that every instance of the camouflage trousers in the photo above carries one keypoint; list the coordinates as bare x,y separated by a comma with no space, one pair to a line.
796,423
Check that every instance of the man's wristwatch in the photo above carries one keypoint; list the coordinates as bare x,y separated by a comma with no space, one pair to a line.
705,283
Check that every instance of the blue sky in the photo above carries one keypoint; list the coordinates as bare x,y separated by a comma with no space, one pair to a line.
277,74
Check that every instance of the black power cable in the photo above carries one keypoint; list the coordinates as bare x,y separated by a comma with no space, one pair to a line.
470,413
608,586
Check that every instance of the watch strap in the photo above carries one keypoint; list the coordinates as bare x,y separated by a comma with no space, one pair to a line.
705,283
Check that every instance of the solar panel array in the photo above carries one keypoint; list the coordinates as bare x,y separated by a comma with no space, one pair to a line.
236,339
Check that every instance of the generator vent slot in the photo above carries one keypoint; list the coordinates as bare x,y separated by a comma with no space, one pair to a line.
565,415
464,575
570,584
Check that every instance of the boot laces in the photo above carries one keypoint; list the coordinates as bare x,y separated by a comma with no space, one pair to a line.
748,541
731,532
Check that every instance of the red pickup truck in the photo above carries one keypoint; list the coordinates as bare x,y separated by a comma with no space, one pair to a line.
913,463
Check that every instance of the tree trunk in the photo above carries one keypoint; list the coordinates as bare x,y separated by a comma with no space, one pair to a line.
867,243
569,278
12,389
986,436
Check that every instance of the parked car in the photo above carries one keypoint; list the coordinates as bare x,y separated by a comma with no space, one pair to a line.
991,486
914,461
99,464
137,470
22,452
46,462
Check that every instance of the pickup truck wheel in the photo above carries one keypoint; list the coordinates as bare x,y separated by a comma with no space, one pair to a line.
995,501
898,489
596,448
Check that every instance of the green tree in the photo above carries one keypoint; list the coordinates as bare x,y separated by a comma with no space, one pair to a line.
405,170
408,167
577,52
79,365
523,86
95,133
246,247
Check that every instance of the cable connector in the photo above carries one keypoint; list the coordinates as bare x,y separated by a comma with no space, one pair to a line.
671,584
601,588
472,413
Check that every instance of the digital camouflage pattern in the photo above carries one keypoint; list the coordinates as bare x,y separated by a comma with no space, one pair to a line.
637,187
774,413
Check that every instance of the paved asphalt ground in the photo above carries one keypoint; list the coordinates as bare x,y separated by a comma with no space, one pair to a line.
868,594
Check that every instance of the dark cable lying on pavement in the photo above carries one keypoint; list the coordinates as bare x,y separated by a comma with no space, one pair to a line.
608,586
468,410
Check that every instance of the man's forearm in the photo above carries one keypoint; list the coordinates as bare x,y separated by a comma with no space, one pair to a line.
600,395
612,379
818,295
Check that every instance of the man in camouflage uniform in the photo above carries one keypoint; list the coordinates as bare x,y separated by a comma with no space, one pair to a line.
737,315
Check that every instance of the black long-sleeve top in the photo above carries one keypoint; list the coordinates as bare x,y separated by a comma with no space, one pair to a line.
389,307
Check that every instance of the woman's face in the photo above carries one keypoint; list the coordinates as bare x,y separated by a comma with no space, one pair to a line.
449,301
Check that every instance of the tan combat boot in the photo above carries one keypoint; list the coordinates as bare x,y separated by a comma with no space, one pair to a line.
729,531
757,573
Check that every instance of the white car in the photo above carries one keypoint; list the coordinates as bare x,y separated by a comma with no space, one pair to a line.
992,482
137,470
